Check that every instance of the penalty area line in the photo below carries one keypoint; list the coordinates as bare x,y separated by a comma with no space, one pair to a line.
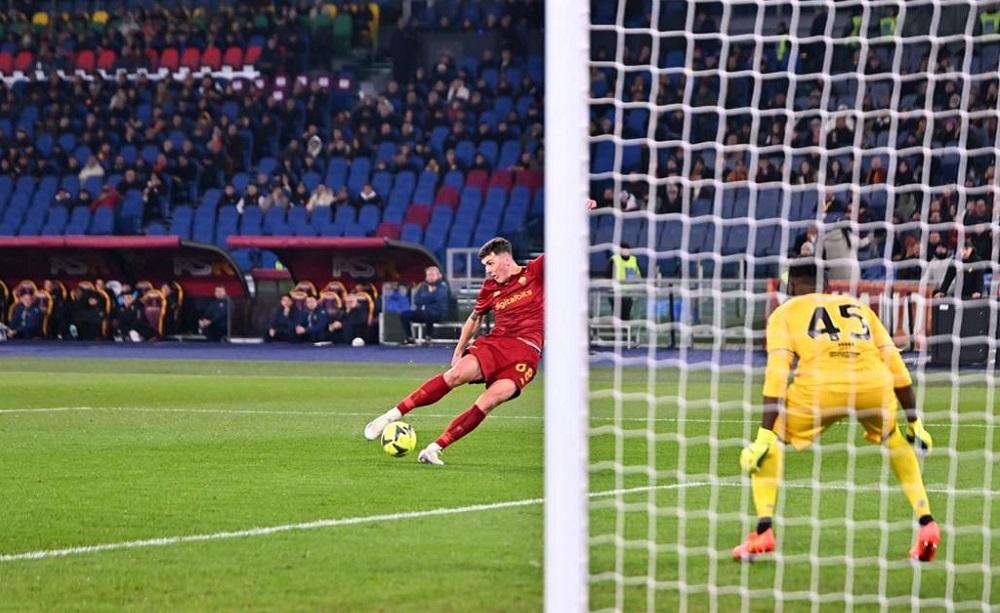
311,525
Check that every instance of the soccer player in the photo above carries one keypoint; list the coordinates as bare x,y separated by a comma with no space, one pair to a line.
505,360
847,363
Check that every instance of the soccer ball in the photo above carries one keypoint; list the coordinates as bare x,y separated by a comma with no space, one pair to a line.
398,439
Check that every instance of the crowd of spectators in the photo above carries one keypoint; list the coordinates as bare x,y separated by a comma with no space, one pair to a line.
877,149
170,140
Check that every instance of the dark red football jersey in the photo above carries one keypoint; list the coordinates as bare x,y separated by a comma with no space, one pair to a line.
518,305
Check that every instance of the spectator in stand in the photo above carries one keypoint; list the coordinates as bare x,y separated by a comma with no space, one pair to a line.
130,320
430,302
876,172
109,197
92,168
62,198
251,197
342,196
83,199
214,320
153,197
805,244
229,196
277,198
479,162
973,273
369,196
939,265
131,180
26,320
321,197
282,325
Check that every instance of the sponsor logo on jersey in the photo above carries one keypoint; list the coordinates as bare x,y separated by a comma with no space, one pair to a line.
506,302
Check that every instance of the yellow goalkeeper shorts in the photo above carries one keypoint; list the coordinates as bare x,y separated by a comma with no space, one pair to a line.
810,411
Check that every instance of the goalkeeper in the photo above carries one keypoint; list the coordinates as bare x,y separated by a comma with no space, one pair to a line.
847,363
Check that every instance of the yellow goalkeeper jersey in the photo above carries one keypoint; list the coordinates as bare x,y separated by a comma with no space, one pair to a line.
840,343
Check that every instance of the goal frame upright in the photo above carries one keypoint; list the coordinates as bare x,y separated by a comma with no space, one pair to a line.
567,49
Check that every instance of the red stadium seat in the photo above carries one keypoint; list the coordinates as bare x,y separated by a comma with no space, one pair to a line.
233,57
448,196
22,61
170,59
252,55
191,58
106,59
532,179
419,214
387,230
478,179
6,63
85,60
502,178
152,59
212,58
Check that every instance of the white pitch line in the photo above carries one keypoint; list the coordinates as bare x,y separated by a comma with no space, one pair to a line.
312,525
694,420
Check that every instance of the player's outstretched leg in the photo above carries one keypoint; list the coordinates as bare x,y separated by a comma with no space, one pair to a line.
432,390
497,393
764,484
907,469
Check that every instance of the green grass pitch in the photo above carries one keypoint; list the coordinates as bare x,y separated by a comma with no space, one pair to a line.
141,450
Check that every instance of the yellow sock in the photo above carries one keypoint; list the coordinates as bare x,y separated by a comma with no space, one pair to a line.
904,464
764,483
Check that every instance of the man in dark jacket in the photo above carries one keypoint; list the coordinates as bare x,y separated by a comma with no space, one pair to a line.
313,322
214,320
26,321
354,323
282,326
430,303
130,320
973,282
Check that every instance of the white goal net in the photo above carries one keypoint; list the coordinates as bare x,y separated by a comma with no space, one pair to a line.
725,138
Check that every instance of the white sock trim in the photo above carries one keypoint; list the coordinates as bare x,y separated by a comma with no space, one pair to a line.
393,414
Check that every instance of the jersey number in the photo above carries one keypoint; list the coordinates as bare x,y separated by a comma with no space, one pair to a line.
822,318
528,372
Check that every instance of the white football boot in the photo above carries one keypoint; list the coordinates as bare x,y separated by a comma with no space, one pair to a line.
430,455
374,428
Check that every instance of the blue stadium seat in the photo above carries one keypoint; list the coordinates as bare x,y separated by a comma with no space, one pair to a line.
411,233
359,175
382,183
203,226
274,222
227,225
336,173
510,153
103,221
734,239
79,220
56,222
490,151
465,150
769,202
311,180
251,221
602,157
180,223
321,217
454,178
369,218
345,216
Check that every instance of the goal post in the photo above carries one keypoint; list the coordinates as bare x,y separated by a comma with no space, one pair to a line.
566,256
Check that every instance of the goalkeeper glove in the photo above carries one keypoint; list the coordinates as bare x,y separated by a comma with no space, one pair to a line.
918,437
754,453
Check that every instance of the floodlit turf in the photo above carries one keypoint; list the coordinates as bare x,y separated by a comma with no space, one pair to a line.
156,449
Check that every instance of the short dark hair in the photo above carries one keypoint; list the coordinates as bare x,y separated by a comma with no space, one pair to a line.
803,268
495,246
626,245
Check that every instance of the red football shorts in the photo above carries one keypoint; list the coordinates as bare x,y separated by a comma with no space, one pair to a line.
505,358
